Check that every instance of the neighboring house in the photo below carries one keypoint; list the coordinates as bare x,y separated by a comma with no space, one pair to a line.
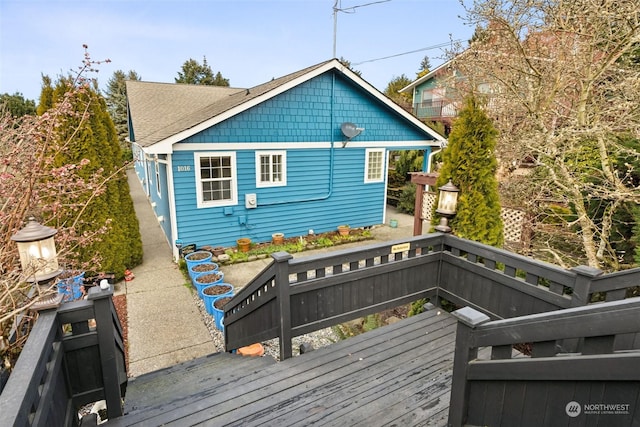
433,98
307,151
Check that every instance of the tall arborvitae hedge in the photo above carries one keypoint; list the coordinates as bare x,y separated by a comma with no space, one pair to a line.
470,163
94,138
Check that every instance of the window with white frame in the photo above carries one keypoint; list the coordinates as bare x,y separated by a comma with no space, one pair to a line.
157,167
216,179
374,165
271,168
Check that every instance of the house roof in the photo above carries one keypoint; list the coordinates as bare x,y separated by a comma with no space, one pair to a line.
426,77
163,114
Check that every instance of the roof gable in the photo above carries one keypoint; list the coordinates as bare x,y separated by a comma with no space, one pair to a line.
161,132
430,75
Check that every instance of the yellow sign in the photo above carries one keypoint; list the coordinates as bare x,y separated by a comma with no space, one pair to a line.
402,247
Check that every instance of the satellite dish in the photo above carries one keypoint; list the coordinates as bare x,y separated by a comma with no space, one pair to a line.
350,130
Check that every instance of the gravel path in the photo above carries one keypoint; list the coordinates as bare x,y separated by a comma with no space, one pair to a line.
316,339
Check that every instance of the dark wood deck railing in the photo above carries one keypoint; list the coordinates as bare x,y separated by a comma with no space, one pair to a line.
66,363
552,385
292,297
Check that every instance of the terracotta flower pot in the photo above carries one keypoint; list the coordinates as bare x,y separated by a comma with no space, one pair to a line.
277,238
244,244
344,230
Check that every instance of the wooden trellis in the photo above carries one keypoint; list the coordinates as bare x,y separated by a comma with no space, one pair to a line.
514,220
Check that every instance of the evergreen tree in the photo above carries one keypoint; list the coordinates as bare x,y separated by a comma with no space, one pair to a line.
17,105
425,67
470,163
200,74
347,64
116,98
93,142
393,88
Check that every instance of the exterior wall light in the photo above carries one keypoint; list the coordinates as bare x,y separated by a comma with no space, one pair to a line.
37,250
447,204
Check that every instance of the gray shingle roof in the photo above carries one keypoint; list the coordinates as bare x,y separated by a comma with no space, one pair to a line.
161,110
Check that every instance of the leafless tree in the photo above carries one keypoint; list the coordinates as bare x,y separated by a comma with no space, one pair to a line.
562,80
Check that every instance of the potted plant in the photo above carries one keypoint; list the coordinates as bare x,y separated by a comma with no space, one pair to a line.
244,243
344,229
202,280
277,238
197,257
203,267
218,311
211,293
69,284
218,250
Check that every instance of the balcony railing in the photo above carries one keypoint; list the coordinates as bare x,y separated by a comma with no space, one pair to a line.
435,110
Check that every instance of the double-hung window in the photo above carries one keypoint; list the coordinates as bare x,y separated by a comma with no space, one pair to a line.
271,168
374,165
157,170
216,179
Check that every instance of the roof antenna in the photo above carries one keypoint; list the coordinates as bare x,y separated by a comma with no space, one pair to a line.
351,9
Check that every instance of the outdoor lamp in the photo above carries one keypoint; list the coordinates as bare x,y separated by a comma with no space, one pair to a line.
37,251
447,203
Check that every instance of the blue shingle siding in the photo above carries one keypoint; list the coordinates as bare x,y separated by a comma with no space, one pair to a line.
292,117
314,197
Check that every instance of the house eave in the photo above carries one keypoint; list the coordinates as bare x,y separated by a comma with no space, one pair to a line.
424,78
165,146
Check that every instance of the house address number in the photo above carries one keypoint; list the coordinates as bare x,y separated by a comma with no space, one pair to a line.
186,168
402,247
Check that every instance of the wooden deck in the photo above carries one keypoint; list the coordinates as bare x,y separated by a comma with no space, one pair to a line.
395,375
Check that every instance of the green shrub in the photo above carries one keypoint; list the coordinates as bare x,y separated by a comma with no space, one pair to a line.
407,201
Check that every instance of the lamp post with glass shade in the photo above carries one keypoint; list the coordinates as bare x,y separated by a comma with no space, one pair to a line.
447,203
37,250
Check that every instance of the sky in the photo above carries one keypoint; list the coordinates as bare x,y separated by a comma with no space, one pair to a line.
248,41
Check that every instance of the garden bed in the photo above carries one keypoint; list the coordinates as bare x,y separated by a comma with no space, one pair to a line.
294,245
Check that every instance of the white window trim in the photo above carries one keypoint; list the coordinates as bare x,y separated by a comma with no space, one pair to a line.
234,180
368,152
283,183
157,172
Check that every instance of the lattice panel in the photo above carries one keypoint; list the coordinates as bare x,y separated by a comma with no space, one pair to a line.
512,219
428,199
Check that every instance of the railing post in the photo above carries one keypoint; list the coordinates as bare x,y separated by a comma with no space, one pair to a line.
107,349
582,286
417,209
468,319
580,297
284,304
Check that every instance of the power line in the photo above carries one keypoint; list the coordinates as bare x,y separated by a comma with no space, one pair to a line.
351,9
436,46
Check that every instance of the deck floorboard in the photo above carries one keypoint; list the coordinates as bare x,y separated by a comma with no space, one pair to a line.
395,375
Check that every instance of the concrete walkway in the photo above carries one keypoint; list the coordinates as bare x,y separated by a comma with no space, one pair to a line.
165,325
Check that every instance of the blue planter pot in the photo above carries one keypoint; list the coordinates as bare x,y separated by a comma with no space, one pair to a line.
218,314
213,268
225,290
207,281
197,257
71,287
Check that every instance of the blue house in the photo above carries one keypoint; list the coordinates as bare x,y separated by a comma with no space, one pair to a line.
307,151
